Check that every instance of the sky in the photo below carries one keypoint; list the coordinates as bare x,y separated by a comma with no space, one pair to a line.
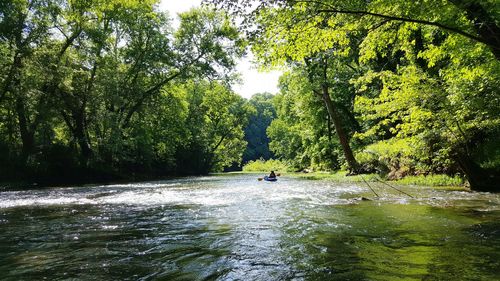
253,80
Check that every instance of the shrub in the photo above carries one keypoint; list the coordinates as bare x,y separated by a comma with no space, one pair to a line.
396,157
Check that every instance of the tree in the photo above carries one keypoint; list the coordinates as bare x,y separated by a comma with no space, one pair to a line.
92,84
215,123
302,133
424,73
204,43
285,40
472,19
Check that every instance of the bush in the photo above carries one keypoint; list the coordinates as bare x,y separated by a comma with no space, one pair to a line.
395,158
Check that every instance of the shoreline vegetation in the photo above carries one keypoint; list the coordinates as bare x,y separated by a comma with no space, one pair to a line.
437,181
115,92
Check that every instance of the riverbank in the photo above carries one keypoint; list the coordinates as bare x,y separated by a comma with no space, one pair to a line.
442,182
29,184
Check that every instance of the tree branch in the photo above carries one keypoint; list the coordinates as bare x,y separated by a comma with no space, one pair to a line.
396,18
156,88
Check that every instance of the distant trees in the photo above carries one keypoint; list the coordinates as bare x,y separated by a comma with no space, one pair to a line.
255,132
214,122
93,88
303,133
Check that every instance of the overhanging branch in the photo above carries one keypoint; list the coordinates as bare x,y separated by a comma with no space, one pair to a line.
403,19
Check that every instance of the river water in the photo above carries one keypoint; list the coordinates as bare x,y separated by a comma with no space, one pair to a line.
233,227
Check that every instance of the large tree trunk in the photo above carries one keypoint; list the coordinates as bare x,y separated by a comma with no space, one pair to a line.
75,121
343,138
480,179
80,133
27,135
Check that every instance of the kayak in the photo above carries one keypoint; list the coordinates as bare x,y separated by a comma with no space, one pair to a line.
266,178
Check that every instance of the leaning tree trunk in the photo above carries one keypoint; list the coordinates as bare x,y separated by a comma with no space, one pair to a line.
344,140
480,179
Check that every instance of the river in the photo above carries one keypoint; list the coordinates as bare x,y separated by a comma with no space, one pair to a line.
233,227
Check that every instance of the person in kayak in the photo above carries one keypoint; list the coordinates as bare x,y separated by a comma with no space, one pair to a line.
272,175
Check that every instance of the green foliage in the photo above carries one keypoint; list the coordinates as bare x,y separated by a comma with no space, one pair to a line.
262,165
397,157
255,132
102,88
302,133
339,176
438,115
432,180
436,181
421,78
215,121
110,87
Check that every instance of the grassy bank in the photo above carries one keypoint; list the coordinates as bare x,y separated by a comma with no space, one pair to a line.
436,181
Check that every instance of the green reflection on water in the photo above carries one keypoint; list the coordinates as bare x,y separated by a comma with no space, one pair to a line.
373,241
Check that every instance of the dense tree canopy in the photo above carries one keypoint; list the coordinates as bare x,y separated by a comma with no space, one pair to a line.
421,79
106,87
479,21
215,121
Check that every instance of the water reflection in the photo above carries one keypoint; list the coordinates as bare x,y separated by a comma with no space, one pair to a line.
236,228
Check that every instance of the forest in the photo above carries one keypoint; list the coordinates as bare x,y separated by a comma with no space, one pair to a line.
100,90
394,87
96,90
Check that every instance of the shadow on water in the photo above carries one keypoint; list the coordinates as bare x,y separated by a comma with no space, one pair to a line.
235,228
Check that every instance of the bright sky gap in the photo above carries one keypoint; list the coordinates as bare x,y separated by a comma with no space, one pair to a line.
253,81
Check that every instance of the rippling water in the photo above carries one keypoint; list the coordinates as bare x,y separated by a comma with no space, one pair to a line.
233,227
